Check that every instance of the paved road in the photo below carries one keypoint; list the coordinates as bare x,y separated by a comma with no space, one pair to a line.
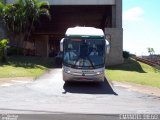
49,94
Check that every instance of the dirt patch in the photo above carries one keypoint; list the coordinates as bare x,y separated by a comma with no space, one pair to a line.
139,88
15,80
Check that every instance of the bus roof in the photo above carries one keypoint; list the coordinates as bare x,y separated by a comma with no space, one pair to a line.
84,31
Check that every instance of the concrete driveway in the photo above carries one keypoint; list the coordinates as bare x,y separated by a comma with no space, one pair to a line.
49,94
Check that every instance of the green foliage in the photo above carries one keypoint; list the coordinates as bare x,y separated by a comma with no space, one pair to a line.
126,54
22,66
134,72
20,16
3,47
3,1
151,51
3,43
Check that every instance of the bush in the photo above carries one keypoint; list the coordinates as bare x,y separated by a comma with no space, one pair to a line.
3,48
126,54
14,51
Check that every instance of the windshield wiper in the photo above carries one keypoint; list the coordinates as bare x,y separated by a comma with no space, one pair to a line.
91,62
78,66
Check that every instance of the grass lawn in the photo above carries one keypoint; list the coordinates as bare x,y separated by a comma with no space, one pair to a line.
19,66
135,72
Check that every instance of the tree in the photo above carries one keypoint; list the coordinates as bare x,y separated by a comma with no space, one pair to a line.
34,10
151,51
19,17
7,15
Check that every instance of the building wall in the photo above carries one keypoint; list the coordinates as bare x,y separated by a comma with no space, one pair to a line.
115,38
41,45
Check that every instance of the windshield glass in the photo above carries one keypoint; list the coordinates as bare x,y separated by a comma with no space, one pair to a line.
84,52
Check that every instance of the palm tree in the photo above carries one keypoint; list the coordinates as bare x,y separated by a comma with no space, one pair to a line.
34,10
151,51
7,15
19,17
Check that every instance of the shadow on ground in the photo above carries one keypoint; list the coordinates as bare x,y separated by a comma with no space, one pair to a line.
89,88
29,62
128,65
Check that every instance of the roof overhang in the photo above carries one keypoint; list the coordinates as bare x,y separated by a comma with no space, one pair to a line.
81,2
66,16
77,2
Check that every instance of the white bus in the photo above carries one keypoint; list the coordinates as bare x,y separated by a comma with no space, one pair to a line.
84,50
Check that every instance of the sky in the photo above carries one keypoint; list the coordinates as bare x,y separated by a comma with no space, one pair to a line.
141,26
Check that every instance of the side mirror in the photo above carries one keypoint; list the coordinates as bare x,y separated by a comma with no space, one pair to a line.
61,45
107,46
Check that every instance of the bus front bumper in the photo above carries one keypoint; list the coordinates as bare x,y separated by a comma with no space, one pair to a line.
85,78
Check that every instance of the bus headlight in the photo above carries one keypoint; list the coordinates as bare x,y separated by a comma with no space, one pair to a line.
67,70
99,72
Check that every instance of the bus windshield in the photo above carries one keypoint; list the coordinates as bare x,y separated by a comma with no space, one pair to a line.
84,53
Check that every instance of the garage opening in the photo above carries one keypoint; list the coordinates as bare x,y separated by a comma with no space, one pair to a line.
48,33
